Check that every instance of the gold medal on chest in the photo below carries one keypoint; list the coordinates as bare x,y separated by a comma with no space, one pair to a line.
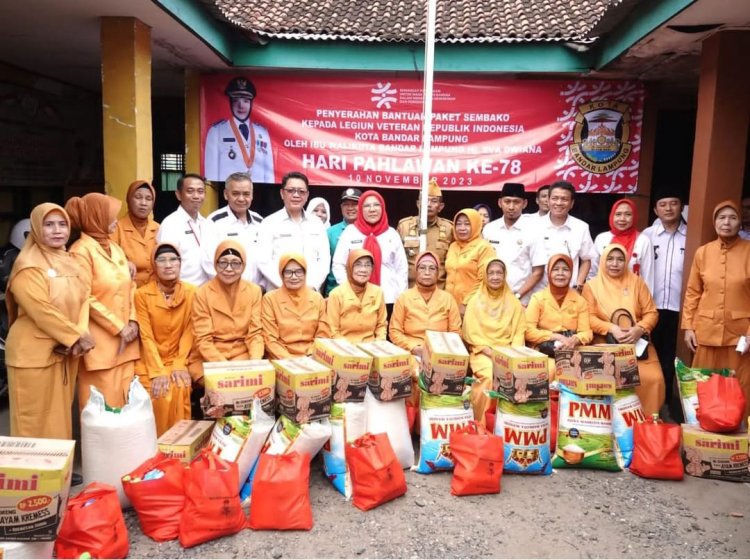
232,154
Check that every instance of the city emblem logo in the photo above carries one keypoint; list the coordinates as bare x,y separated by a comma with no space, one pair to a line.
383,95
601,135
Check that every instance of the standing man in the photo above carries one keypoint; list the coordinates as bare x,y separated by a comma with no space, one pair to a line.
439,233
189,232
516,243
236,144
349,200
542,201
668,234
562,233
290,230
236,221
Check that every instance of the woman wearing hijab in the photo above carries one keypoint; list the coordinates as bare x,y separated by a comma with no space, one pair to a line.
558,316
293,315
370,231
136,230
356,309
319,207
622,230
110,366
226,313
493,317
465,255
48,311
164,306
716,311
615,288
485,212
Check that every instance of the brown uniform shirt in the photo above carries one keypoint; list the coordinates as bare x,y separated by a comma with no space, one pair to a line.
439,238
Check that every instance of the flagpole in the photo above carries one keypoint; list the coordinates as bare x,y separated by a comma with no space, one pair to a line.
429,63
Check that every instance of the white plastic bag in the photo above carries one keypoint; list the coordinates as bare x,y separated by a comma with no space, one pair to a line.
116,441
389,417
347,424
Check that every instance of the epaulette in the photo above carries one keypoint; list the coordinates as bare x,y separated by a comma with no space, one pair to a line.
220,216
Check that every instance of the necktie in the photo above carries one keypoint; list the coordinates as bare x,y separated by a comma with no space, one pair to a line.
244,130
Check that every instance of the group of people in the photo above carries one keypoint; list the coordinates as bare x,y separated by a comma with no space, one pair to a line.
132,297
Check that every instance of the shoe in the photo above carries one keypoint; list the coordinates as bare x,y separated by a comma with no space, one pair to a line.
76,479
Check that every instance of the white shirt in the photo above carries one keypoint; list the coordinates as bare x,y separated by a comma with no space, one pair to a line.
196,240
394,268
279,234
669,260
229,226
572,238
643,255
223,155
519,248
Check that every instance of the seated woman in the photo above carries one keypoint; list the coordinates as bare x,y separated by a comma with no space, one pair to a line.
164,309
558,314
465,255
616,288
294,315
226,314
493,317
356,309
136,230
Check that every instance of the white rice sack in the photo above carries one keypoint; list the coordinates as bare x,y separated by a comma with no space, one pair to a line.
116,441
347,424
627,413
22,550
525,429
288,436
389,417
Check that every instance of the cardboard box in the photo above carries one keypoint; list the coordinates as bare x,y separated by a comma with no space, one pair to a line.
719,456
603,368
34,487
351,367
232,386
520,374
390,376
444,363
185,439
303,386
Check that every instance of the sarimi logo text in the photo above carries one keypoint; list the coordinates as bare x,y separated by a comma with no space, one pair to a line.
383,95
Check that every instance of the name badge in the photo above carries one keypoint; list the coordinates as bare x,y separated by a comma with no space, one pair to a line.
232,234
189,232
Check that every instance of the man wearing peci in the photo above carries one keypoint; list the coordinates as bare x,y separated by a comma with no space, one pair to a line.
238,145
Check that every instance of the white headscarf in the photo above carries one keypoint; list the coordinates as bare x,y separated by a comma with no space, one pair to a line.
313,204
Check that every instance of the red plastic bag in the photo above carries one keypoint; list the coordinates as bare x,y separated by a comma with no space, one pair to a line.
158,502
93,523
478,456
656,450
721,404
489,420
281,493
212,502
376,474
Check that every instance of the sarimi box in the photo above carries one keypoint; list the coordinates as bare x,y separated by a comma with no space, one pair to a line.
390,375
351,367
719,456
303,386
444,363
599,369
520,374
185,439
34,487
232,386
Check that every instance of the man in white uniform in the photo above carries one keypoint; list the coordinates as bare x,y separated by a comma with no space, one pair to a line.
236,221
290,231
238,145
542,201
516,243
192,234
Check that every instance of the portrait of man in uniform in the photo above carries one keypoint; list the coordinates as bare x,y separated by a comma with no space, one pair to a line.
236,144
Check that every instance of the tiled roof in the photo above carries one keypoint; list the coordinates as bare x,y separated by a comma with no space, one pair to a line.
458,21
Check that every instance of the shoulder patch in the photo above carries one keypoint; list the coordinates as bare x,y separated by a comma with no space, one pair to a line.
217,123
220,216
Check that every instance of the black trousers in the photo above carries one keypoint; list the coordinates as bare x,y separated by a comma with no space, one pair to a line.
664,338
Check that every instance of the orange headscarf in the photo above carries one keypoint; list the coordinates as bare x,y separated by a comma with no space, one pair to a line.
558,293
611,293
353,257
728,204
93,214
234,247
284,260
625,237
162,248
475,220
134,186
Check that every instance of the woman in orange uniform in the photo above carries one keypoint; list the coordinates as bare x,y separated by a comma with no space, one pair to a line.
558,317
716,312
615,287
136,230
164,307
110,366
493,317
226,313
356,309
294,315
48,310
465,255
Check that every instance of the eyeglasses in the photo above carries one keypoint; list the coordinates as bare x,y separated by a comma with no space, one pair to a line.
424,268
295,192
161,261
232,265
296,273
363,265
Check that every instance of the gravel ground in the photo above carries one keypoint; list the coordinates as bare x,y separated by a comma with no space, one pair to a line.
570,514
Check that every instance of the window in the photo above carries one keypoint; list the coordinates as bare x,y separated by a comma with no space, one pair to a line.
172,167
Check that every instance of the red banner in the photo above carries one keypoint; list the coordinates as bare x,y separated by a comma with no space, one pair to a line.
366,131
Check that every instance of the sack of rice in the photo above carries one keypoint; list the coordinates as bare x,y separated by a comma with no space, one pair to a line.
525,432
